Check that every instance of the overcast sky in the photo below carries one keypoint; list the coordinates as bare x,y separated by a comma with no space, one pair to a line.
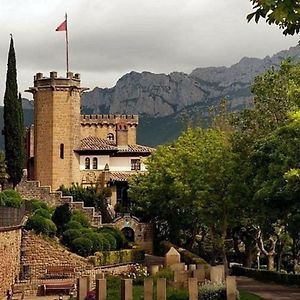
109,38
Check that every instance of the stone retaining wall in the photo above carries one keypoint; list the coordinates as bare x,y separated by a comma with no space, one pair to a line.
10,243
38,253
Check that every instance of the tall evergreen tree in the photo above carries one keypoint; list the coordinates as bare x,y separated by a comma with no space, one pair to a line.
13,121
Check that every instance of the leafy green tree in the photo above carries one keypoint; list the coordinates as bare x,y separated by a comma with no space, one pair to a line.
189,183
13,122
266,142
283,13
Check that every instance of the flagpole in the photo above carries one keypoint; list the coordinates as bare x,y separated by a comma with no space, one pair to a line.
67,45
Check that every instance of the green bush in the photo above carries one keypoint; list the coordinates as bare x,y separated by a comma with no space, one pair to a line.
82,246
43,212
112,241
72,225
10,198
105,243
85,230
118,257
61,216
96,239
34,204
268,276
164,273
41,225
69,235
119,236
80,217
212,291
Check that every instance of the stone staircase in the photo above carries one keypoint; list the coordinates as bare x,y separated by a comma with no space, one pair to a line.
34,190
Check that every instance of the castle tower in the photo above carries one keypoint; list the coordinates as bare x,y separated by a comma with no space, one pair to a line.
56,128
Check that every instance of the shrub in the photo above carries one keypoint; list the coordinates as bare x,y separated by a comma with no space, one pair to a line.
43,212
85,230
11,198
69,235
118,257
164,273
268,276
112,241
34,204
80,217
105,243
73,225
96,239
119,236
212,291
61,216
41,225
136,272
82,246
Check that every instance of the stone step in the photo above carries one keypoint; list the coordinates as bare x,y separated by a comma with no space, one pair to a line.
33,190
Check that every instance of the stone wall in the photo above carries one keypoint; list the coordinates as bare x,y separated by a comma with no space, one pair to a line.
10,243
37,253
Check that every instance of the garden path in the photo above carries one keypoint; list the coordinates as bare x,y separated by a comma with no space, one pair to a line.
268,291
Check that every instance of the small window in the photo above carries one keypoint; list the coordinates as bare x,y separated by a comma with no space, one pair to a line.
110,137
135,164
87,163
62,151
95,163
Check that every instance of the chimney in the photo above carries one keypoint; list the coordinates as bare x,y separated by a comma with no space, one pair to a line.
122,135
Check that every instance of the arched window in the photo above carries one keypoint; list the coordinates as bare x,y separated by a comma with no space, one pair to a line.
62,151
95,163
87,163
110,137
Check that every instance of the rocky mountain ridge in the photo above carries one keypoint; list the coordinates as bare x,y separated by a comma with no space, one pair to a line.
160,95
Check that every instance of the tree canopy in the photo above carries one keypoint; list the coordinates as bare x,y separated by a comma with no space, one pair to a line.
283,13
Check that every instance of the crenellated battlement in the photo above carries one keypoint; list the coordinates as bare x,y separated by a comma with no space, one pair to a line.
53,81
109,119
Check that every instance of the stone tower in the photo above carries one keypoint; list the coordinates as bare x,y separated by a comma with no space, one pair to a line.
56,128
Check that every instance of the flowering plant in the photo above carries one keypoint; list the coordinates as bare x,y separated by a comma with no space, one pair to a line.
136,272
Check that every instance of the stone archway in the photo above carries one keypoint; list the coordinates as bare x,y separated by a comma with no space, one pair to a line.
129,234
137,232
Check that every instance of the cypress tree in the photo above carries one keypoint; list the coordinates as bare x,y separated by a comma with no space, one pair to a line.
13,121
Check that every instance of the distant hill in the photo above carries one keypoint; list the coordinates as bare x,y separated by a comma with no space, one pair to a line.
166,103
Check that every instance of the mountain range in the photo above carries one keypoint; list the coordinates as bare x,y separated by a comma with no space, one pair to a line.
165,101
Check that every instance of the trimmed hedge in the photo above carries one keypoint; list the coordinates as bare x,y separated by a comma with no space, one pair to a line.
118,257
10,198
187,256
267,276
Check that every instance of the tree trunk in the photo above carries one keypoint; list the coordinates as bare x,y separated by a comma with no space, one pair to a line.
248,256
270,262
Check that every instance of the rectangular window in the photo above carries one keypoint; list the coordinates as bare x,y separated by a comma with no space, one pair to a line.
62,151
135,164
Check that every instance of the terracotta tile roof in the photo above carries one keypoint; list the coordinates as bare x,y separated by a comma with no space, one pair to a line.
122,176
136,148
94,143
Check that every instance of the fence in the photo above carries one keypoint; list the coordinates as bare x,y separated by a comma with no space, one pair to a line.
10,216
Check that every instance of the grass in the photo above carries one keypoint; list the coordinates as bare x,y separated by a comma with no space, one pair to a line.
248,296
